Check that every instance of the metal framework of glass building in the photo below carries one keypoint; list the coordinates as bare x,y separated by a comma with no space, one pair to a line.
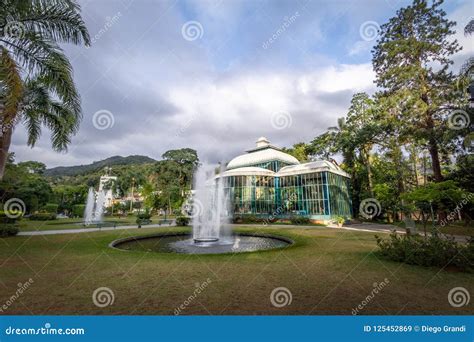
268,182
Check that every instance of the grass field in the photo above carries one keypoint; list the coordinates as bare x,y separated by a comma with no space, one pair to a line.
327,271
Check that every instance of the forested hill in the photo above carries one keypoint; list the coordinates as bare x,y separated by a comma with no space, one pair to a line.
97,165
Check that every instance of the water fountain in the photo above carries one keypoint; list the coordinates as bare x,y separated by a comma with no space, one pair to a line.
211,229
210,212
94,207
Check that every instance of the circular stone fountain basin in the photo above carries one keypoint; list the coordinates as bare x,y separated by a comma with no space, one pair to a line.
185,244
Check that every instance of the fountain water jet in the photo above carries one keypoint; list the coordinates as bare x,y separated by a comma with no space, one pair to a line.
94,207
211,214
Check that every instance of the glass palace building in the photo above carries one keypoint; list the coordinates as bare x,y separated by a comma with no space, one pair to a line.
266,181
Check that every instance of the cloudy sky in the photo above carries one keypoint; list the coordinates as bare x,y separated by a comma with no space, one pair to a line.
216,75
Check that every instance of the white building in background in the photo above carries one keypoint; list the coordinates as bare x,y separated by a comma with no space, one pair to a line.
108,192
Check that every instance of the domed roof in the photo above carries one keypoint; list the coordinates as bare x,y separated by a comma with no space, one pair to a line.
319,165
264,152
249,171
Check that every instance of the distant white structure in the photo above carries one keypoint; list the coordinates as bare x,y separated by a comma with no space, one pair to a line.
104,186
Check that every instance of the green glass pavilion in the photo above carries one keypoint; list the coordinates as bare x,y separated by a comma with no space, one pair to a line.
266,181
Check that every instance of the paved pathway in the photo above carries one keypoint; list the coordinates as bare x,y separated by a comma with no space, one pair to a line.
371,227
362,227
88,230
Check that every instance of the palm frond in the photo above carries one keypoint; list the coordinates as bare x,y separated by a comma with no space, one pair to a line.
57,20
44,59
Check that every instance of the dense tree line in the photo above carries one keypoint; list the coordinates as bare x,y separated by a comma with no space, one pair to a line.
409,144
164,184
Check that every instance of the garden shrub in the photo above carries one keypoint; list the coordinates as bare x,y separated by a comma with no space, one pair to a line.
182,221
299,220
250,219
432,251
237,219
42,217
143,218
78,210
6,219
50,208
8,230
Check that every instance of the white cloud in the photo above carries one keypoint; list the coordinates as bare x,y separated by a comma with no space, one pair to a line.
223,116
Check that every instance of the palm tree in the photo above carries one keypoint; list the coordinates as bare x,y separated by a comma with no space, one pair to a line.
36,83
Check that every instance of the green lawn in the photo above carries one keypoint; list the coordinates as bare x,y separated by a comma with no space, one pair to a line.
328,271
27,225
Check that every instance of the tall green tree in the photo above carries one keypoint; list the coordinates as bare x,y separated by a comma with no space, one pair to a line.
299,151
363,129
411,60
36,83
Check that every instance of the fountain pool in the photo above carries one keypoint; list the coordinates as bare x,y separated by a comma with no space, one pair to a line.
184,244
212,233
